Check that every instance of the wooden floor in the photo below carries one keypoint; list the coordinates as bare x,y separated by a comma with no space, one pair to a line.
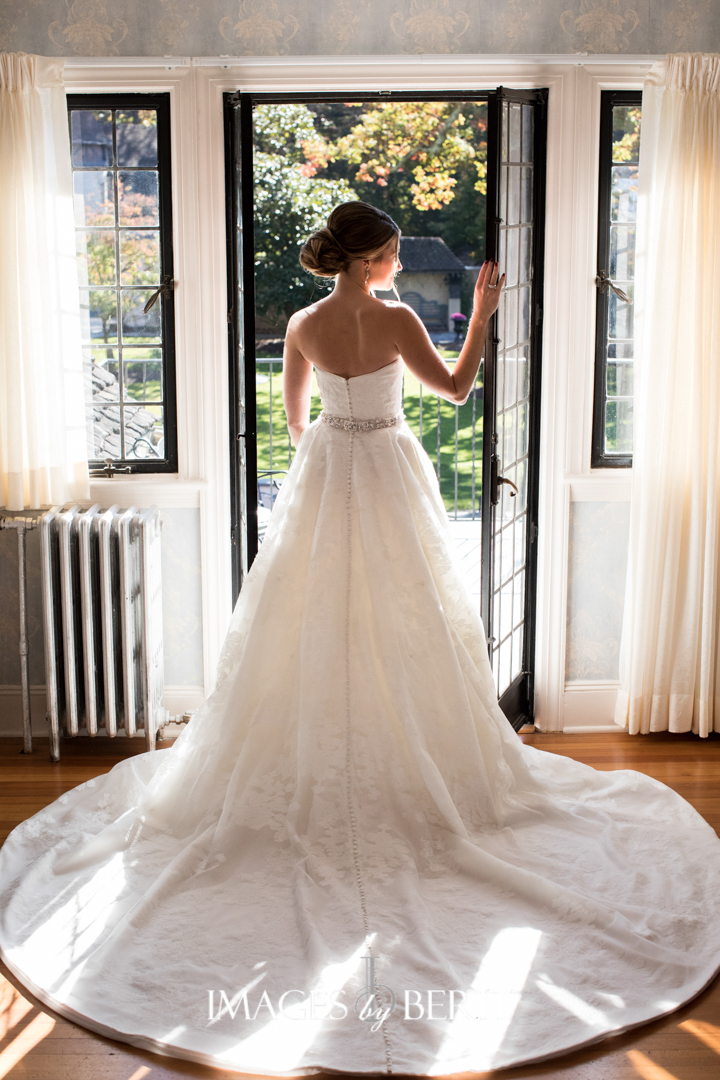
38,1045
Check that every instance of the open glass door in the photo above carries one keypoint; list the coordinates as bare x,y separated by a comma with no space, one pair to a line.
241,316
463,180
515,209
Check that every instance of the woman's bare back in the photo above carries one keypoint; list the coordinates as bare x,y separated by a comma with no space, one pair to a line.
348,340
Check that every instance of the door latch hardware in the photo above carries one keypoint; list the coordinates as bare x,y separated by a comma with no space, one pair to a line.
604,283
496,480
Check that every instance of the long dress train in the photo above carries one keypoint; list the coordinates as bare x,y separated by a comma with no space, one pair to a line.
348,860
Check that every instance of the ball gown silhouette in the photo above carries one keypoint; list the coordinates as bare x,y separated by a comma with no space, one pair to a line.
349,861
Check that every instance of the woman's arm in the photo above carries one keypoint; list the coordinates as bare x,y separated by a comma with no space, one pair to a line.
421,356
297,380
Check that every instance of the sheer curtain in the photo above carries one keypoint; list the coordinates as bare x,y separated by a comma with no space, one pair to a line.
669,650
43,453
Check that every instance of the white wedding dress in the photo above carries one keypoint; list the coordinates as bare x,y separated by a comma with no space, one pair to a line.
351,784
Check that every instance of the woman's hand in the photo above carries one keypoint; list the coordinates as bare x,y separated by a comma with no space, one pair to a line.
487,291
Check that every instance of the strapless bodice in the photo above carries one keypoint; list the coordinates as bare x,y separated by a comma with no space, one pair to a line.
363,397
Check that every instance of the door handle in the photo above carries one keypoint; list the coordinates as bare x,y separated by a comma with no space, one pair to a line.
496,480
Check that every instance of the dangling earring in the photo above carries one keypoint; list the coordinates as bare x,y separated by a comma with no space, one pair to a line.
367,272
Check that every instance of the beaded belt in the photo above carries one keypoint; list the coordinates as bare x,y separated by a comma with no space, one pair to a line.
361,425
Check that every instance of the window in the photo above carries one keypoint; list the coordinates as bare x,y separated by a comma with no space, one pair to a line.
120,146
614,348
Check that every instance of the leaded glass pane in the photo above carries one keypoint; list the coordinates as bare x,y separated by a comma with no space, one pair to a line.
139,257
138,198
509,422
116,190
96,256
519,599
526,195
137,138
522,414
506,609
517,644
621,315
104,434
139,327
92,137
101,368
524,314
143,377
622,253
515,119
504,664
98,315
94,197
614,381
143,432
527,135
513,210
620,378
511,262
623,193
510,368
525,256
511,303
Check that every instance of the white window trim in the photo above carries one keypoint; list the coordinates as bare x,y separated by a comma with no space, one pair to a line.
196,87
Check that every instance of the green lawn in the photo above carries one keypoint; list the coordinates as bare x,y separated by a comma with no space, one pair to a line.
412,413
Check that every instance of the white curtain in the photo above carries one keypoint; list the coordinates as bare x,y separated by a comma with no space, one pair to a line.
43,453
669,651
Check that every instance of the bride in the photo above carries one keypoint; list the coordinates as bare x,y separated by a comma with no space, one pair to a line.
349,861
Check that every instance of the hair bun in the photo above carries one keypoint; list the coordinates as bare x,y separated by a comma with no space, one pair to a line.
354,230
322,255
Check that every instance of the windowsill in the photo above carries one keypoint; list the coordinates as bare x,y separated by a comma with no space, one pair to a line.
143,489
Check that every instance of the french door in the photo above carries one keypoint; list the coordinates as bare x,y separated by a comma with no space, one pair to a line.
511,444
501,423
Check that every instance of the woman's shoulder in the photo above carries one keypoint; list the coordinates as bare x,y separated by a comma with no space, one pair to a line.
396,307
305,316
399,314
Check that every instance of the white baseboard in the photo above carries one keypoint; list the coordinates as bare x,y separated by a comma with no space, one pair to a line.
178,700
589,707
590,729
181,699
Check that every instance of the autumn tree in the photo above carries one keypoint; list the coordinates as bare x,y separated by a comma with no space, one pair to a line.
626,134
425,163
429,140
291,201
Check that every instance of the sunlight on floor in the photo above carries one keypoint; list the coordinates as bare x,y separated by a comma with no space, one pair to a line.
701,1029
647,1069
14,1008
140,1073
24,1042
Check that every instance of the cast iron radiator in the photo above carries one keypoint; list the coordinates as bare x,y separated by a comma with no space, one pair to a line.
102,613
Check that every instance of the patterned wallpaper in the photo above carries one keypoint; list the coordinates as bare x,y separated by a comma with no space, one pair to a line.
302,28
597,562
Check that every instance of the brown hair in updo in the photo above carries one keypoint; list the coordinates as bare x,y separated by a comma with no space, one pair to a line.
354,230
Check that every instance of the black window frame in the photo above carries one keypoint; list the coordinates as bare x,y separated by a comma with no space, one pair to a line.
161,103
609,99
